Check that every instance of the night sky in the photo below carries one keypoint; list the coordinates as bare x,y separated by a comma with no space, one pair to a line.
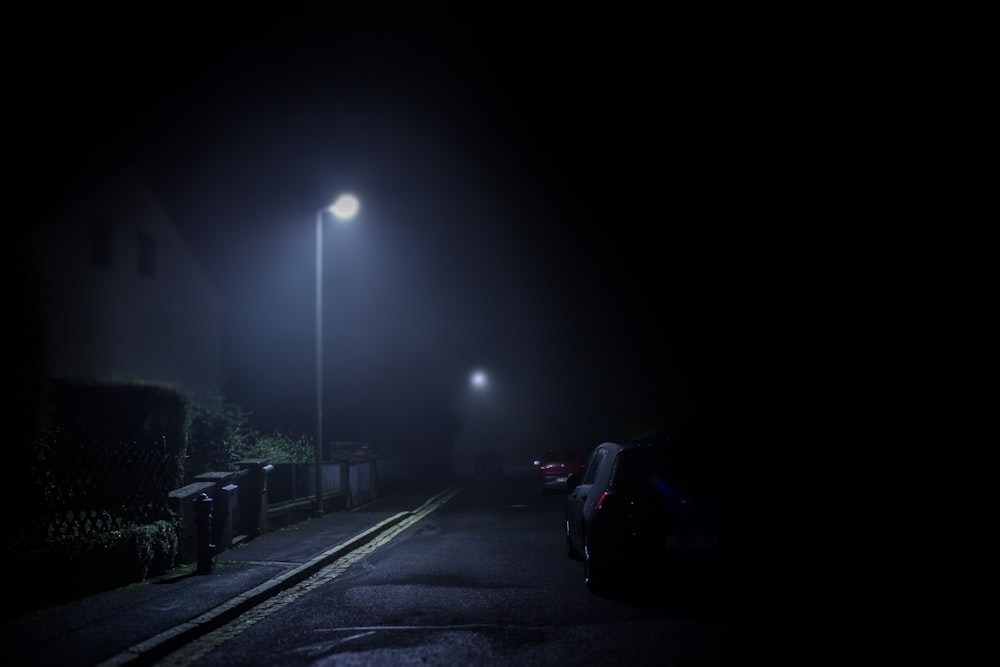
577,202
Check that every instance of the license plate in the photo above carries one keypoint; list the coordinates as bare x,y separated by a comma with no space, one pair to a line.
691,541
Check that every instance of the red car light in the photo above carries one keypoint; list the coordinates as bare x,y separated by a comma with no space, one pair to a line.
605,500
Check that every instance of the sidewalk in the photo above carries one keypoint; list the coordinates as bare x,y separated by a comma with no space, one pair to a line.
140,623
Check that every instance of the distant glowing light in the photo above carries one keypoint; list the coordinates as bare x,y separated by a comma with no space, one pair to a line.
478,379
346,207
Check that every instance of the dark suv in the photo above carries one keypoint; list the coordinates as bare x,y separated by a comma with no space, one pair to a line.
637,510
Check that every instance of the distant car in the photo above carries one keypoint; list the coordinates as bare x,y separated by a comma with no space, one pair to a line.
636,509
555,465
489,464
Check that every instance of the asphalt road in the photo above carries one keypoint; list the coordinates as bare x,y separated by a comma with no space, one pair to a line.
483,578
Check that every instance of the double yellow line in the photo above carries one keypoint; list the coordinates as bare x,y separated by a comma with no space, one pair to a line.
276,594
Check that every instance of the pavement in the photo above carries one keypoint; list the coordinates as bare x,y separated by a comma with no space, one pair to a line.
141,623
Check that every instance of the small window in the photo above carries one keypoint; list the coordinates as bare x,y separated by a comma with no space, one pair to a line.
147,256
100,244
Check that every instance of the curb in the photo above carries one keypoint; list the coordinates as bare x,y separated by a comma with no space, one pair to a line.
158,646
168,641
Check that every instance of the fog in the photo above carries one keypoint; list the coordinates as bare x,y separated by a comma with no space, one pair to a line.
565,213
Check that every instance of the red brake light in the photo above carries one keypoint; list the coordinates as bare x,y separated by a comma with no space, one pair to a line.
605,497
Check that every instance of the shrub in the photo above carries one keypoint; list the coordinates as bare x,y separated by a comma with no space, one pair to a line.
87,564
281,447
218,436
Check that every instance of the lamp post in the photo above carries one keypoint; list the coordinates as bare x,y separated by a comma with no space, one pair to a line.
345,208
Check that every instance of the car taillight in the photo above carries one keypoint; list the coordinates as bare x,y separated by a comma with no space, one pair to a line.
606,500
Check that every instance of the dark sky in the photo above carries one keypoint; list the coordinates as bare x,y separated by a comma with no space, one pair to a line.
575,201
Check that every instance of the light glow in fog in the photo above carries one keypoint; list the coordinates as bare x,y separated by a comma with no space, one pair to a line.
478,380
346,207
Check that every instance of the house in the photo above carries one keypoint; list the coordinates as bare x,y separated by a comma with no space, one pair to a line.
121,294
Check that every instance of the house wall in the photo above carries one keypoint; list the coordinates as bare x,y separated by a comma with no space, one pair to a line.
114,322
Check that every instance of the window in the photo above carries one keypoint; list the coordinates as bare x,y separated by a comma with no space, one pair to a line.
147,256
590,474
100,244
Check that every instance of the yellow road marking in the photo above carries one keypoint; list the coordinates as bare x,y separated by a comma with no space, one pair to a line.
208,642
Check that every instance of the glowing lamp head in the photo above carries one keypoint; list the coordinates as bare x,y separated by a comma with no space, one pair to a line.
478,380
346,207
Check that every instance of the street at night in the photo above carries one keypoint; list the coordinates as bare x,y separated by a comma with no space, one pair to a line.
417,234
485,579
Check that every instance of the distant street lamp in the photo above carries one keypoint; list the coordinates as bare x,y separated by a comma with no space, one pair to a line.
345,208
478,380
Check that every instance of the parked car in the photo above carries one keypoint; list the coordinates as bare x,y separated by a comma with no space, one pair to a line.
637,509
488,464
555,465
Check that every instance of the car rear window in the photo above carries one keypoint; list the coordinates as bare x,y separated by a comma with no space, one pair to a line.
590,474
645,468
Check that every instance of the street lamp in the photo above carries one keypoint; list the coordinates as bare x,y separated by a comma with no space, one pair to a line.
345,208
478,380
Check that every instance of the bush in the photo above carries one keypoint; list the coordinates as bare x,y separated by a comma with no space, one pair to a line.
123,557
281,447
73,568
218,437
156,548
